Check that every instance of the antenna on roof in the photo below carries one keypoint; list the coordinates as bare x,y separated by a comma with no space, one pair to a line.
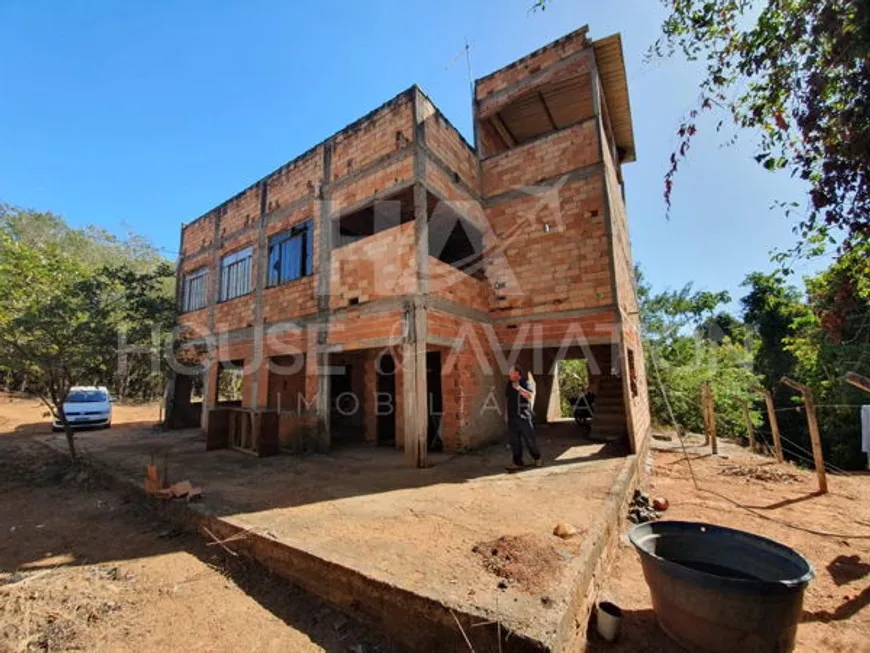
466,52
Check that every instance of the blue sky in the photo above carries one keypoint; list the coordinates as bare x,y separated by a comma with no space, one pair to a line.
147,114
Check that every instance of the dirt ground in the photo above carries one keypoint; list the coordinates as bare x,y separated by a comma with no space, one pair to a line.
81,570
836,615
363,511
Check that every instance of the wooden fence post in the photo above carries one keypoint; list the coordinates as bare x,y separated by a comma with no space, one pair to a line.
750,428
860,382
709,415
774,423
704,414
813,425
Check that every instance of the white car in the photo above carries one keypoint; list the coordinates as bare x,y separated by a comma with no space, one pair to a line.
86,406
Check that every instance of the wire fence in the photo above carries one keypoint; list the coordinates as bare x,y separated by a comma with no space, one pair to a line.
795,450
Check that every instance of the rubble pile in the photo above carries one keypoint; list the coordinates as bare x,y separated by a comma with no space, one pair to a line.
640,510
770,473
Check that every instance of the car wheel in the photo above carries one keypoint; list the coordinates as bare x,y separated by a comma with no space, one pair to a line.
56,429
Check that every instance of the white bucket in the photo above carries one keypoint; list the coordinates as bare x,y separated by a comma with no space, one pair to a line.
609,615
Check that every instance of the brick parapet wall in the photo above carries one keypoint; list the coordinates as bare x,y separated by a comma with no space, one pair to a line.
454,285
373,268
570,331
543,159
387,130
444,141
294,181
541,66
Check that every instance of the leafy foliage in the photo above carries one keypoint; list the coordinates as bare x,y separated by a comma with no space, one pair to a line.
71,308
797,72
573,383
685,347
832,339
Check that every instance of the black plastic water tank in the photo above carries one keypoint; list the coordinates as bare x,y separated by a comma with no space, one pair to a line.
719,589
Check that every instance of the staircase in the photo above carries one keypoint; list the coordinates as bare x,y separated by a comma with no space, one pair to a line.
608,423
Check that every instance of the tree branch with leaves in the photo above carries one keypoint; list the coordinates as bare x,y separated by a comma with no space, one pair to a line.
797,73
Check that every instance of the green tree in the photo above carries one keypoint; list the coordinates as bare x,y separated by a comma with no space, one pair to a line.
832,339
145,278
681,356
771,309
92,246
70,298
815,339
573,382
55,323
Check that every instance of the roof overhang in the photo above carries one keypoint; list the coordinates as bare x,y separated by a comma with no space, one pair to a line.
611,70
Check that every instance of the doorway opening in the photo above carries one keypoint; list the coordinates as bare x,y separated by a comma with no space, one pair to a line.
435,401
385,406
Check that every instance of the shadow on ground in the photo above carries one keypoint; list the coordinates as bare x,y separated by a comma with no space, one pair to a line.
638,633
57,516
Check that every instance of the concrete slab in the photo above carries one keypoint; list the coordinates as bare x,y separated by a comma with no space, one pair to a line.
407,550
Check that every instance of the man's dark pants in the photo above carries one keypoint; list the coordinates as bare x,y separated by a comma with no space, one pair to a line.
521,430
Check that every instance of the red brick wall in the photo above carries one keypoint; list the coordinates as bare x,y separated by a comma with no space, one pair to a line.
235,314
290,300
531,64
452,284
545,158
400,404
558,330
471,383
369,397
353,328
195,262
638,404
374,183
283,388
240,212
448,145
196,319
564,269
298,179
439,181
378,266
198,234
391,128
284,341
623,264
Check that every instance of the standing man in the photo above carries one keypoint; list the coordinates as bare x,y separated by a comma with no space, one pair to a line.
520,396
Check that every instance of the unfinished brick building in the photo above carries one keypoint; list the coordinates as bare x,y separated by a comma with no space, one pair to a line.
376,287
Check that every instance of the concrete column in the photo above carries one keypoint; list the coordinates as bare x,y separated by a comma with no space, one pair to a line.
324,388
320,352
209,392
554,407
414,384
258,393
414,388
